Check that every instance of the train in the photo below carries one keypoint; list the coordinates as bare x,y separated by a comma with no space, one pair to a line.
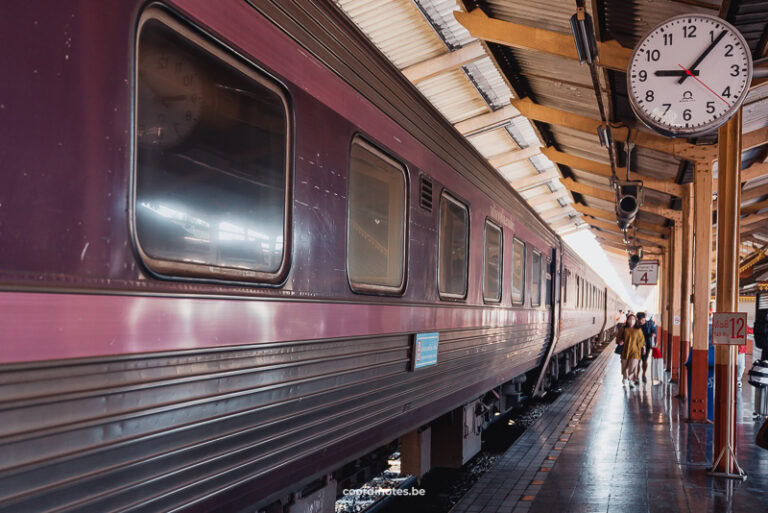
240,251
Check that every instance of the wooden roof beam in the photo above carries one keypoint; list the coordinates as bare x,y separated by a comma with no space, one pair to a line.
675,147
482,122
756,170
755,207
553,116
605,214
612,228
606,195
754,218
604,238
755,192
510,157
530,182
546,197
598,168
612,249
563,223
611,54
443,63
556,213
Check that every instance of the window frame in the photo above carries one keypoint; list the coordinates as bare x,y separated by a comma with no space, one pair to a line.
447,296
535,252
489,221
191,271
524,288
368,288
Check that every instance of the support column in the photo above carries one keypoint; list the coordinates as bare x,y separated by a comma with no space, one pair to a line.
671,278
685,288
702,266
665,309
675,283
661,323
728,209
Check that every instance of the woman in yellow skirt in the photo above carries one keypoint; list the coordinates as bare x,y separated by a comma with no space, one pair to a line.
634,346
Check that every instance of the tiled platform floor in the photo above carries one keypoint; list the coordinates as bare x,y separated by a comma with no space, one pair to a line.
624,451
633,452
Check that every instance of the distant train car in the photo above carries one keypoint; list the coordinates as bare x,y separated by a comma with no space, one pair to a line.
222,225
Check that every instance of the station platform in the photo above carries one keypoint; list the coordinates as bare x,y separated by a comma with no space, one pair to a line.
604,448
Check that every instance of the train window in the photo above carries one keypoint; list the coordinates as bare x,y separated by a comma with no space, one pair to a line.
494,249
536,279
578,291
212,139
453,248
548,284
518,271
565,286
376,221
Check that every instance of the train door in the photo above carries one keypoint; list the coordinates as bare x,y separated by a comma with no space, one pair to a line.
554,271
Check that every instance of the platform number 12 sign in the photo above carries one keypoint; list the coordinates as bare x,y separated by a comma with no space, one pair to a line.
729,328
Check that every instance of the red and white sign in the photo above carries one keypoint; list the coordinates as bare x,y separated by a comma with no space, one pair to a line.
729,328
646,273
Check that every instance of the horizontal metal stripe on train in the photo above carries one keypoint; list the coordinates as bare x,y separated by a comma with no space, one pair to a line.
385,397
65,409
56,326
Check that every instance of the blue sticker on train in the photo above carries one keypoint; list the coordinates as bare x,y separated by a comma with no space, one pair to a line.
425,349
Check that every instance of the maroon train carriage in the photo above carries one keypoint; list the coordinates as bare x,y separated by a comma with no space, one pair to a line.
222,225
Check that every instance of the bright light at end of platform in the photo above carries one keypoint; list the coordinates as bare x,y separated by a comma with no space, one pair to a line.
585,244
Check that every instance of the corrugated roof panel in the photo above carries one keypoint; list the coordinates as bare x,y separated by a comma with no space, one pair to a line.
440,14
523,133
413,31
397,28
628,21
544,14
454,96
517,170
541,162
490,82
493,142
549,205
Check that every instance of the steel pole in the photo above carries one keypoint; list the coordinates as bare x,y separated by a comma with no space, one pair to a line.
728,205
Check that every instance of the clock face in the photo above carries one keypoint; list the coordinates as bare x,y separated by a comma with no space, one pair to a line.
689,75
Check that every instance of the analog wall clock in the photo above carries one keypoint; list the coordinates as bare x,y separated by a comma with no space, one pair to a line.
689,75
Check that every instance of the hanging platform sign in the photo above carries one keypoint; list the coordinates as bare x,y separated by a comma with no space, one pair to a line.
729,328
646,273
425,349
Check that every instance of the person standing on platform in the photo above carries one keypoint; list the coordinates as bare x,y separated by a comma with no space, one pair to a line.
621,321
634,347
741,360
649,332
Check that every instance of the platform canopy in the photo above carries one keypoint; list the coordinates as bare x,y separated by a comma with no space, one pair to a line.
506,74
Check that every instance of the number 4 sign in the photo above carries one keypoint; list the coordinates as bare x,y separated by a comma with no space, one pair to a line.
646,273
729,328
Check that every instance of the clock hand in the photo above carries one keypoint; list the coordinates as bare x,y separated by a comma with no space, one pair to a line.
688,72
703,55
673,73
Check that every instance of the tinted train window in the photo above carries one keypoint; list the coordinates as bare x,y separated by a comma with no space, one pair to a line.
376,248
565,286
518,271
578,291
548,284
493,254
536,279
454,248
212,159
